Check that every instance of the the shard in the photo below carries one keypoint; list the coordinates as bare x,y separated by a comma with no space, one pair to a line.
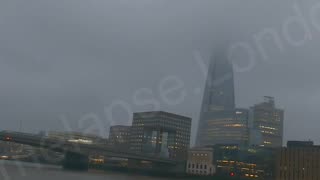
220,122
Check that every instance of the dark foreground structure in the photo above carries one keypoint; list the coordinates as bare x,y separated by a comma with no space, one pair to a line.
300,160
75,161
76,156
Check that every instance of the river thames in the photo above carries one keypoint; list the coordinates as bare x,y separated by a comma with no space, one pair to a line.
26,171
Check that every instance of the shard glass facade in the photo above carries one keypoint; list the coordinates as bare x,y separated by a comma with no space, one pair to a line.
220,122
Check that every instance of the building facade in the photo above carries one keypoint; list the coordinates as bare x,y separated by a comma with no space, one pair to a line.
240,126
266,124
244,162
200,162
160,134
298,161
119,137
220,122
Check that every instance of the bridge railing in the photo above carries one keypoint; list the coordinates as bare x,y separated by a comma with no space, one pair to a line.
59,145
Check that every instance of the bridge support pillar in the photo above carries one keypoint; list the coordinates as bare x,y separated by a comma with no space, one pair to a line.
177,169
75,161
134,164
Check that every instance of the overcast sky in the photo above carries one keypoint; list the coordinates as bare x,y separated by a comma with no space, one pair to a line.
82,65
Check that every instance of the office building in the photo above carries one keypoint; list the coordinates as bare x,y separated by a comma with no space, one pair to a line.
161,134
239,127
119,137
200,162
244,162
298,161
220,122
266,124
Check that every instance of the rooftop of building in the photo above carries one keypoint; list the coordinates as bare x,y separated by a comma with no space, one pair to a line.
159,113
120,127
295,144
267,103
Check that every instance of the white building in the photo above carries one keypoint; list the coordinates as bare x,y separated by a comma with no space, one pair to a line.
200,162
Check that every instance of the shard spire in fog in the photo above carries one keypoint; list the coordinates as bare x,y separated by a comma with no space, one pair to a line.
219,90
218,114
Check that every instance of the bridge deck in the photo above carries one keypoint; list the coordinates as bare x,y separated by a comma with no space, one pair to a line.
85,149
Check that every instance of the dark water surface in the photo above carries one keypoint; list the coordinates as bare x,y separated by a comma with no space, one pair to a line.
26,171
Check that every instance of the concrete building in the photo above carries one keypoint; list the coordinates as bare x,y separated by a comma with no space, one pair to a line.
200,162
266,124
119,137
161,134
298,161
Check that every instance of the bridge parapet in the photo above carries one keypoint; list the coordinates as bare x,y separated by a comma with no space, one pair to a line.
82,149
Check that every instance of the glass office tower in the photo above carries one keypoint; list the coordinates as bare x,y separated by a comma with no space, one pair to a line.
220,122
266,122
160,134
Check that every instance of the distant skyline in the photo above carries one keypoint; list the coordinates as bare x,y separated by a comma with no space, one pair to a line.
65,64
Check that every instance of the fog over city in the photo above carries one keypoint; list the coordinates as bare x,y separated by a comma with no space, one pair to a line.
84,65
